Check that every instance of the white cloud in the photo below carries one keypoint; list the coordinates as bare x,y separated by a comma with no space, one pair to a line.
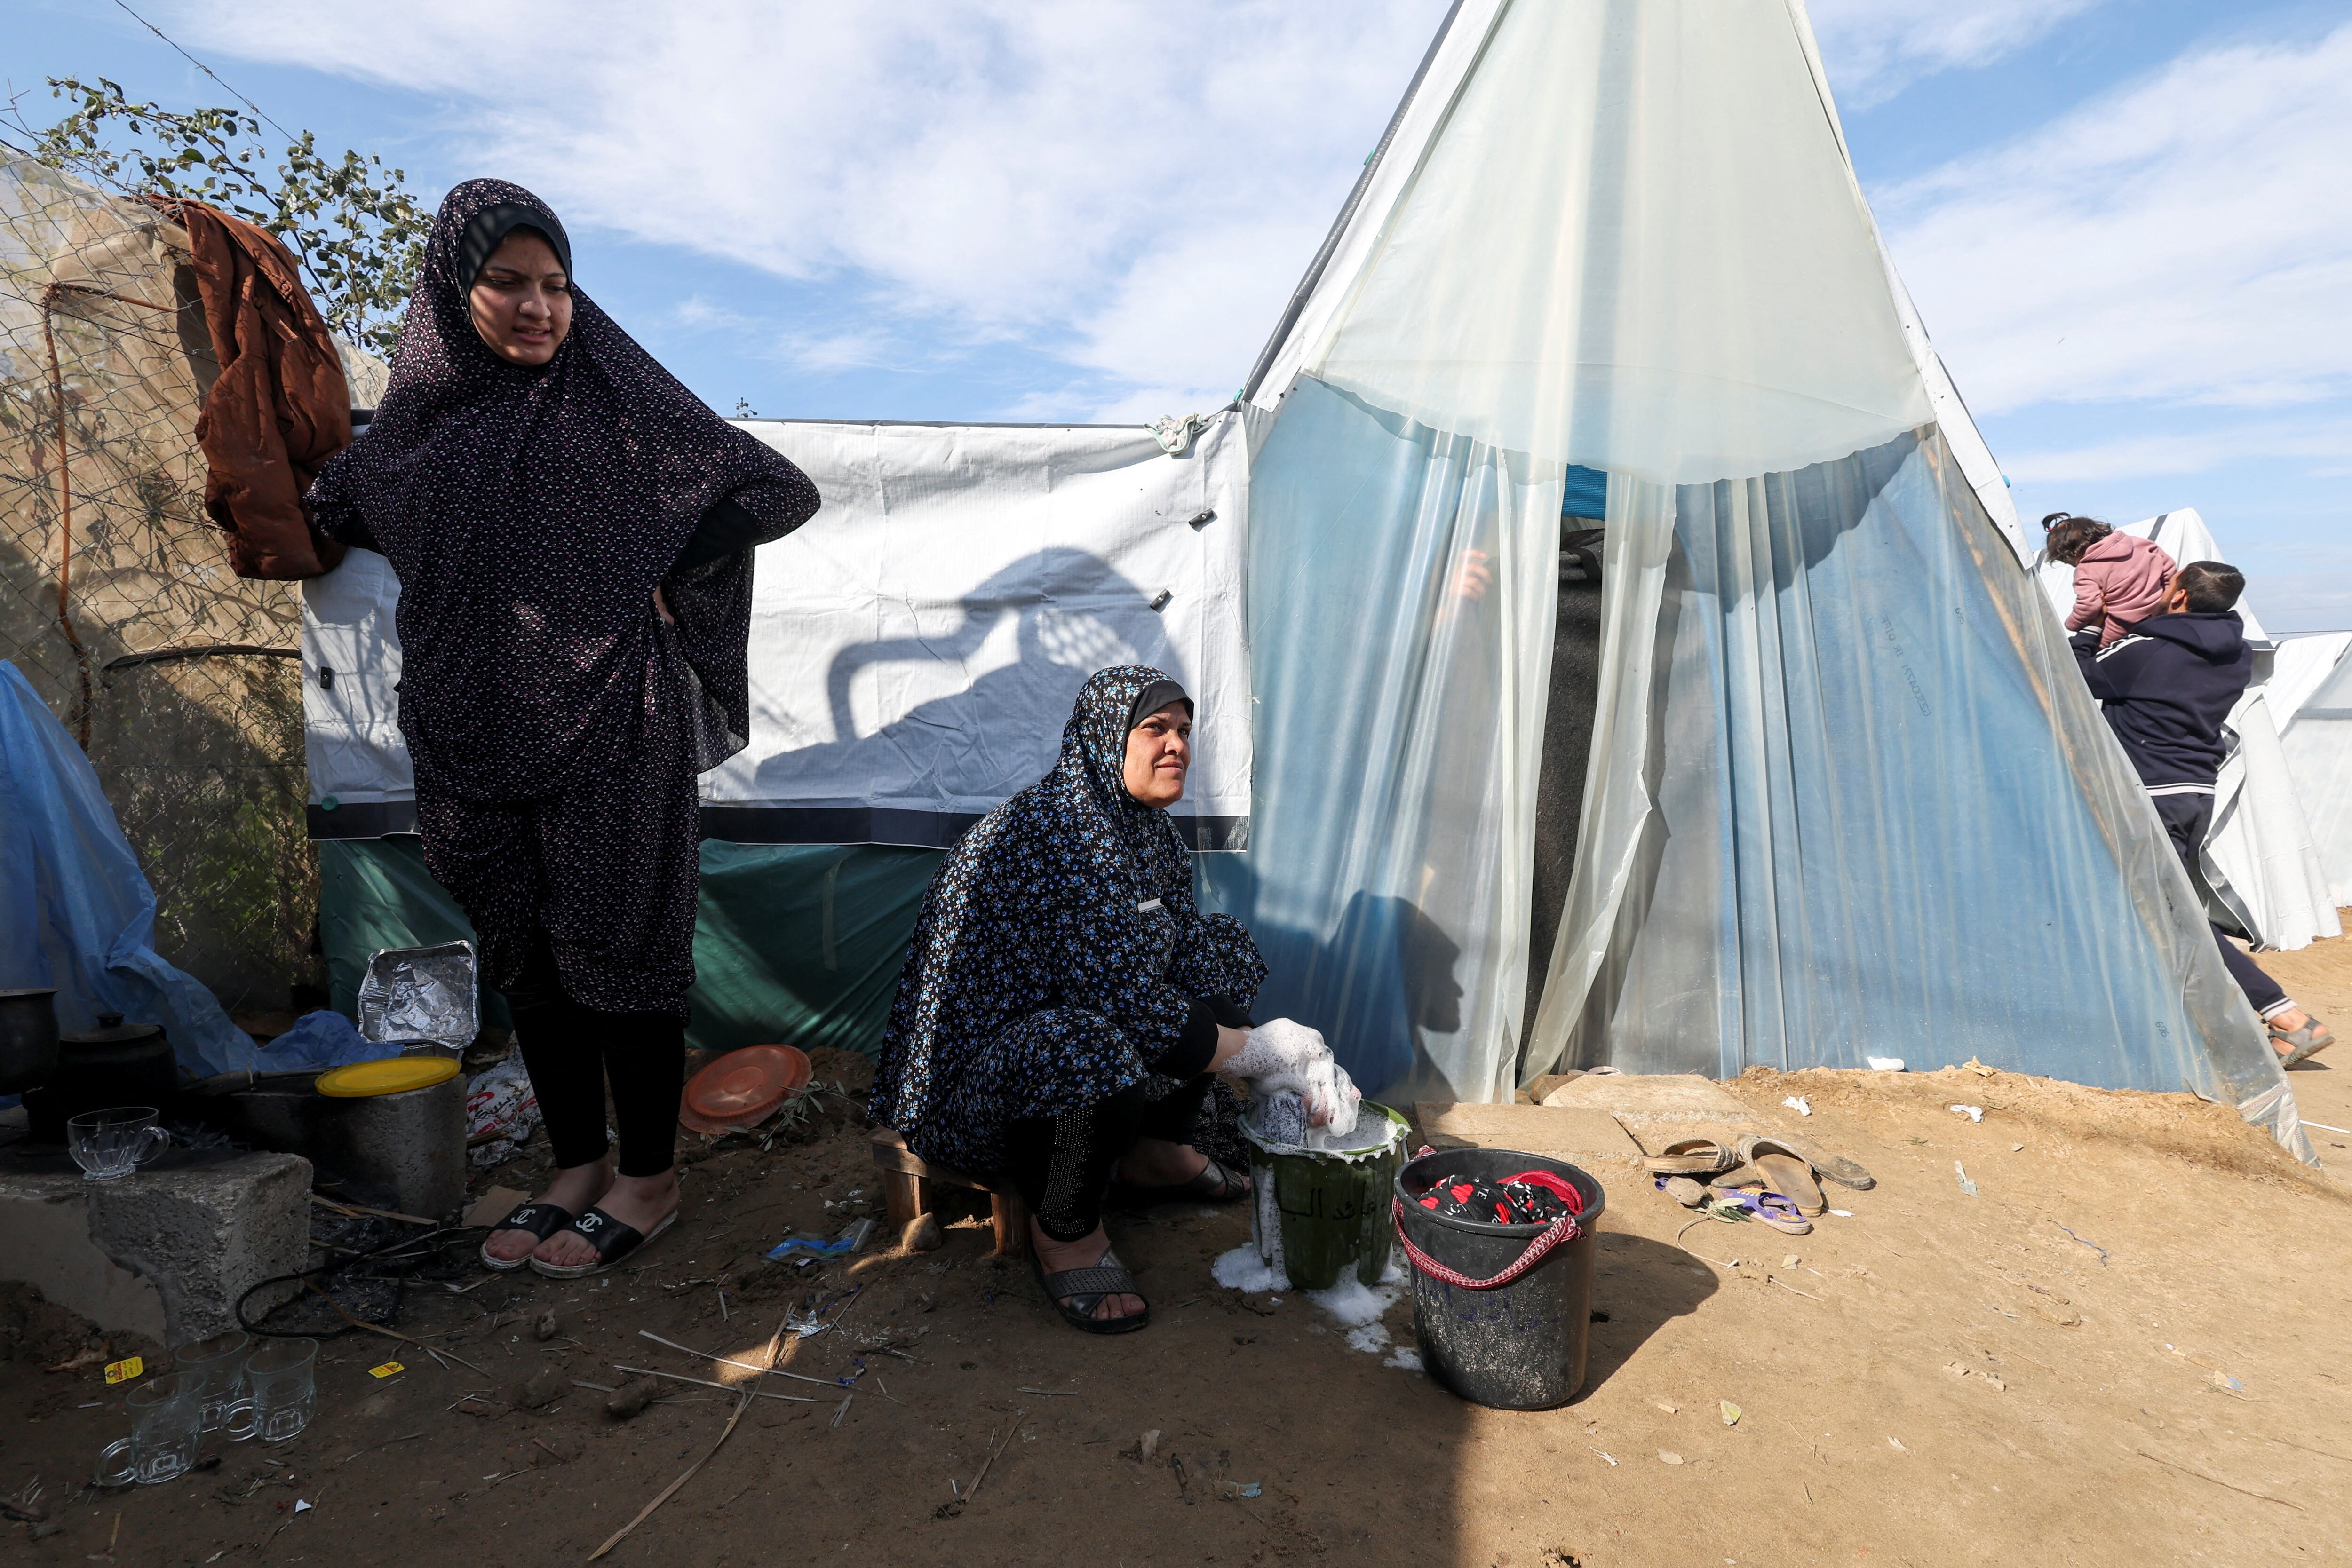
2188,239
2321,444
1132,188
1876,48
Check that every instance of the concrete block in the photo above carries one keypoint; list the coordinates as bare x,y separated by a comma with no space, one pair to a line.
164,1252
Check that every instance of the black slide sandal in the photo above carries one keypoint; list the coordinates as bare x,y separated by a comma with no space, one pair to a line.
540,1221
611,1239
1085,1289
1215,1182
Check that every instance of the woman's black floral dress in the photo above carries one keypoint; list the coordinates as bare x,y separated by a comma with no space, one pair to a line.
1059,954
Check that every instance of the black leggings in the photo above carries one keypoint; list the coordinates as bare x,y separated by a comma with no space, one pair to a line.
1061,1165
569,1050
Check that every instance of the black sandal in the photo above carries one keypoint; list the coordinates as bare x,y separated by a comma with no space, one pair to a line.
540,1220
1077,1292
611,1239
1213,1183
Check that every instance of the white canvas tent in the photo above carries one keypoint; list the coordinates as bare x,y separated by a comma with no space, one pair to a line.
2311,698
915,652
1837,786
2261,860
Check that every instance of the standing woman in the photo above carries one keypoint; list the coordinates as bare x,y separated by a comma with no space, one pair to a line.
573,531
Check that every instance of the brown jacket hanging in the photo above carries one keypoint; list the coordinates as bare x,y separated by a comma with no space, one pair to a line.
280,408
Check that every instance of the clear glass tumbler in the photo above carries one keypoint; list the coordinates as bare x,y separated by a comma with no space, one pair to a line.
281,1393
218,1366
167,1428
110,1143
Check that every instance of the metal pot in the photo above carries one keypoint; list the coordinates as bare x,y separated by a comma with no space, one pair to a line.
114,1064
28,1038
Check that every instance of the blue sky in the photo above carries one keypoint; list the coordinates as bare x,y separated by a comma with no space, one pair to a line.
2127,223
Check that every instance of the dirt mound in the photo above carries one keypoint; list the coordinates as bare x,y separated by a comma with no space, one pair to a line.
2201,1132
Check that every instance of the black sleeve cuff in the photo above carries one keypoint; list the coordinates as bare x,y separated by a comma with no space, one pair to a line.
725,530
1189,1056
1230,1013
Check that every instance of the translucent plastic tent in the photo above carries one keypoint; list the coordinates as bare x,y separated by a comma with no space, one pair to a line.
2262,861
1846,792
2312,689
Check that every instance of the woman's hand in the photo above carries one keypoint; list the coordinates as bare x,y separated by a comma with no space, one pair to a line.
1286,1055
662,609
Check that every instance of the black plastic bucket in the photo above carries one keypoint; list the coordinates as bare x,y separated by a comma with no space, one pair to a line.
1514,1346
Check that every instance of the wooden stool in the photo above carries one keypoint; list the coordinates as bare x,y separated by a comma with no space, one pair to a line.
907,1181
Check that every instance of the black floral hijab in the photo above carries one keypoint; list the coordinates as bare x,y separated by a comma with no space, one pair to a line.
529,512
1071,893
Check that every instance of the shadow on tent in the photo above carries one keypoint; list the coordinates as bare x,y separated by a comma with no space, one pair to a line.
1070,613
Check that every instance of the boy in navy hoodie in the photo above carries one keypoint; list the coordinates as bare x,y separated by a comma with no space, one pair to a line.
2166,690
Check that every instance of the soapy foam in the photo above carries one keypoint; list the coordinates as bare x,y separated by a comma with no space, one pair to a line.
1242,1269
1356,1306
1407,1356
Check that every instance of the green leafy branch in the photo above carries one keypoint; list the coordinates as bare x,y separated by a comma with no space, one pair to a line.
359,236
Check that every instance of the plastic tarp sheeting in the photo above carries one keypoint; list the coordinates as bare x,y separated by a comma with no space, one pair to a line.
916,646
1883,793
2318,747
1401,584
75,912
796,944
2261,860
1634,245
1631,240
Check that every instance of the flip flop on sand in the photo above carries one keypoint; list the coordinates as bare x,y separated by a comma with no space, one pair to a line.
1781,1214
1681,1189
1691,1157
1834,1167
1785,1171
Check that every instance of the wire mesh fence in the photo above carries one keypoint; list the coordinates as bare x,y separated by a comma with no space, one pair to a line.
182,681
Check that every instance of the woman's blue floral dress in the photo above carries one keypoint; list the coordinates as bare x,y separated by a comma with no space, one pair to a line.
1059,954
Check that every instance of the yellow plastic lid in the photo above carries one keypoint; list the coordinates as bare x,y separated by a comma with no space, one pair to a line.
387,1075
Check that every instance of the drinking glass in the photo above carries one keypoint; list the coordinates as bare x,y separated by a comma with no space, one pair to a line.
110,1143
281,1394
217,1364
166,1429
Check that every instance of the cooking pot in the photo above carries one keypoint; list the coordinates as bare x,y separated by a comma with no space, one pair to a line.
28,1038
116,1064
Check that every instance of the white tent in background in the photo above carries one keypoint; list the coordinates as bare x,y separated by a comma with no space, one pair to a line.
2311,698
2261,860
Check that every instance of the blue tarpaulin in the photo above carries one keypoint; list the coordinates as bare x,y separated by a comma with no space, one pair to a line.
75,912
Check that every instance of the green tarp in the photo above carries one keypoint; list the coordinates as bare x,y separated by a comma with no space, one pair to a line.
795,943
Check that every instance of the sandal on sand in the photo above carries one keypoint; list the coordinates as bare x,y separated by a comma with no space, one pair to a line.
1681,1189
1835,1167
1781,1214
2302,1043
539,1220
1077,1292
1692,1158
1785,1171
1214,1183
611,1239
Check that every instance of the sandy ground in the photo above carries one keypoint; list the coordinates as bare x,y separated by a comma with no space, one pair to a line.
2129,1347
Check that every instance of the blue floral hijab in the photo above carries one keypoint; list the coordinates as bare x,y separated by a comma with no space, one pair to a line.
1060,951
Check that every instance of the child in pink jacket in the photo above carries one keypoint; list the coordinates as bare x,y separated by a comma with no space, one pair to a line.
2120,579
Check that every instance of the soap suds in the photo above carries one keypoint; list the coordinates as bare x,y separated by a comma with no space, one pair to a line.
1242,1269
1354,1305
